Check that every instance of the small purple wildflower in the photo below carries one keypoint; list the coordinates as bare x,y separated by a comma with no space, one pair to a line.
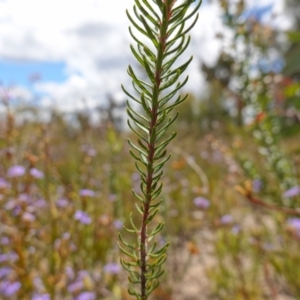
112,268
17,210
4,272
66,235
118,224
294,191
268,247
257,185
82,274
87,193
135,176
226,219
202,202
8,288
236,229
75,286
24,198
294,223
82,217
88,150
38,283
73,247
91,152
36,173
86,296
62,202
28,217
3,184
40,203
70,273
4,240
16,171
112,197
10,205
10,256
41,297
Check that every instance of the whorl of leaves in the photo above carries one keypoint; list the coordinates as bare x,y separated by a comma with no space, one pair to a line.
163,22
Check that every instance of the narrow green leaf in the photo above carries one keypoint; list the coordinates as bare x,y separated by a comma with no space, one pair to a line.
139,209
151,216
124,242
157,229
137,56
166,142
146,14
137,196
136,113
136,147
136,132
140,29
126,252
129,95
151,33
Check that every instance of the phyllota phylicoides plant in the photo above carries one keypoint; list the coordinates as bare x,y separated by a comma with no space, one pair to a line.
164,24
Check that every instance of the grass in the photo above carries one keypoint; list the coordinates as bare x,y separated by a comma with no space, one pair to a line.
61,209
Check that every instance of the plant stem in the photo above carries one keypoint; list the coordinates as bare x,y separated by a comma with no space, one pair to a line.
152,143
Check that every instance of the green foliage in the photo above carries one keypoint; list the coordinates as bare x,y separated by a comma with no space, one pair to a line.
164,24
220,245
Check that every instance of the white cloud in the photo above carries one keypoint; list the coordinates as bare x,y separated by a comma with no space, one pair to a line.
92,38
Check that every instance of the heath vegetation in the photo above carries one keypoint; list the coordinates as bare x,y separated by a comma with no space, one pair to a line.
91,211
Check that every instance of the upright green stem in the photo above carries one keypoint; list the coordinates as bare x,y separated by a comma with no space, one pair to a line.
152,144
164,26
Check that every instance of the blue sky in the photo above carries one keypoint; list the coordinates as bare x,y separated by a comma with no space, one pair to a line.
25,73
80,48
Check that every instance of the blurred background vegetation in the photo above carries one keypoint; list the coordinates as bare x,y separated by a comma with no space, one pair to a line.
231,190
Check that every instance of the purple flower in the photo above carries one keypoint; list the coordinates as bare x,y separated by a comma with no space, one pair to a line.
8,288
294,191
112,268
202,202
257,185
4,240
75,286
24,198
4,272
40,203
3,184
70,273
87,193
41,297
268,247
82,274
112,197
294,223
10,205
86,296
82,217
236,229
135,176
28,217
36,173
66,235
118,224
10,256
38,283
16,171
226,219
88,150
62,202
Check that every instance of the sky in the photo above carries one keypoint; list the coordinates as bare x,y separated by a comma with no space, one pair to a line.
70,54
